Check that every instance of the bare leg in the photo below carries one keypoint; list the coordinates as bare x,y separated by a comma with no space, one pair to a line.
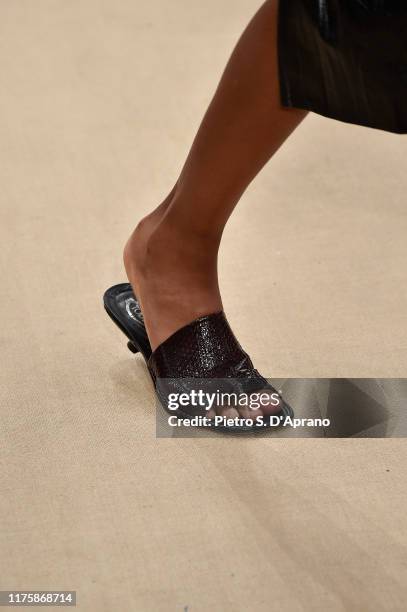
171,257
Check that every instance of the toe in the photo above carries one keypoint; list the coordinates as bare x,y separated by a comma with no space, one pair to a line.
271,402
211,414
228,412
249,413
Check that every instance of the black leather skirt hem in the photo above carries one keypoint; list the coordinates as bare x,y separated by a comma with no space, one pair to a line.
346,60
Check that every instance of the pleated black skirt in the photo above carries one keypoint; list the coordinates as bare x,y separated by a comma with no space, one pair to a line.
345,59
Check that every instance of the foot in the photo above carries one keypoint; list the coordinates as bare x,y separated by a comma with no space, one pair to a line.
175,279
174,276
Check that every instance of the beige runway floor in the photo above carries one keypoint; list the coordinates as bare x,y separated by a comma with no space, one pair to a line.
99,101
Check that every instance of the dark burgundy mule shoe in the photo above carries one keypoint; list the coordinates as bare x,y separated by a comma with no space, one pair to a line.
203,356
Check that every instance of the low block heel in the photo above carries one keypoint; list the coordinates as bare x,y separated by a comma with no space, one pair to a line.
132,347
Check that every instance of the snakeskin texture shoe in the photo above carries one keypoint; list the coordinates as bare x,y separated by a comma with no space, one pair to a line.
202,357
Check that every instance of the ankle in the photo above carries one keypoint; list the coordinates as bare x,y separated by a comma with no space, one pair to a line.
189,231
173,240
